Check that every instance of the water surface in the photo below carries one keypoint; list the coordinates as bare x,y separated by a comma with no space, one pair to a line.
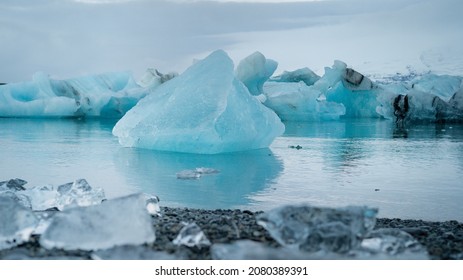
407,173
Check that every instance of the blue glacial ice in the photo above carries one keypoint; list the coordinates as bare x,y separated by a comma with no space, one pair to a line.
254,70
300,95
205,110
108,95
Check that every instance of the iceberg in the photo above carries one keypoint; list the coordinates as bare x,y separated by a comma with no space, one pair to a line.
108,95
299,102
121,221
300,75
16,223
205,110
254,71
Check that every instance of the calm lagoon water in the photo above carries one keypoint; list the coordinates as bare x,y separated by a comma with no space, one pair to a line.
414,173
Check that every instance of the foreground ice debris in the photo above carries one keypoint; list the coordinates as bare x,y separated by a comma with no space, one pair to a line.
130,252
205,110
393,242
328,233
152,204
108,95
77,193
313,228
121,221
191,235
16,223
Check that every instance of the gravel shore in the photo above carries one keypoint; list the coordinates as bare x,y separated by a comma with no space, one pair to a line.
443,240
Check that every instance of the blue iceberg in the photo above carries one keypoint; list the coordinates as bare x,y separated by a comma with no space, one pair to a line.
108,95
205,110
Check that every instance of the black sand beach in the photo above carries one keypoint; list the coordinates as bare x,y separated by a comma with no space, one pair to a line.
443,240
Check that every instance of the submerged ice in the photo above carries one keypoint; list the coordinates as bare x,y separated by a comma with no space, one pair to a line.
204,110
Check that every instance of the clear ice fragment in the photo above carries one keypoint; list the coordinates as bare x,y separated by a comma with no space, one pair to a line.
314,229
78,193
191,235
393,242
152,204
121,221
16,223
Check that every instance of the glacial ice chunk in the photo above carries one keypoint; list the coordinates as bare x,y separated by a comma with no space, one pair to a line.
191,235
153,78
121,221
443,86
107,95
205,110
152,204
299,102
393,242
254,70
196,173
300,75
16,223
78,193
314,229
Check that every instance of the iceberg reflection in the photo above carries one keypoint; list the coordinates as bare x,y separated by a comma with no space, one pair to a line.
240,175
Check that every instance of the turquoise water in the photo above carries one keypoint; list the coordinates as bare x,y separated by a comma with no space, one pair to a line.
413,173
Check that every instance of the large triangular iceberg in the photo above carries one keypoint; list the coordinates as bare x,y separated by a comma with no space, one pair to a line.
205,110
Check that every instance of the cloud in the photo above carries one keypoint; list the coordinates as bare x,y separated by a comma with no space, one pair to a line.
70,38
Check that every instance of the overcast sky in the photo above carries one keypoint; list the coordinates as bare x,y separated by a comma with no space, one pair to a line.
68,38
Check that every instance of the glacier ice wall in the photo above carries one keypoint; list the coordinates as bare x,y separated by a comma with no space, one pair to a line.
300,95
205,110
108,95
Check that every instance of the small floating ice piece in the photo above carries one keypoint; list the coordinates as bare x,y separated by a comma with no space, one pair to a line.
206,170
318,229
121,221
196,173
16,223
188,175
191,235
